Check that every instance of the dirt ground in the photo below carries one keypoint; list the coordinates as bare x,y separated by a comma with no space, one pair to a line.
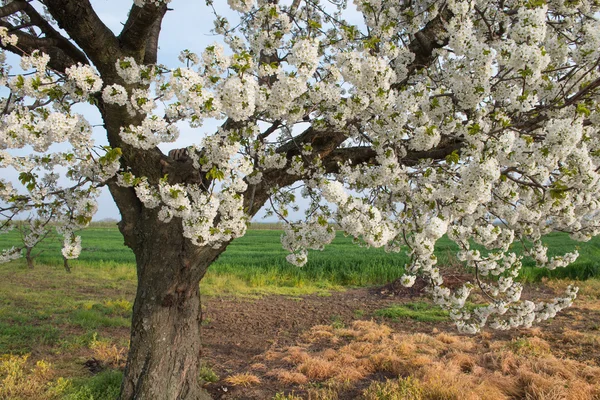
237,332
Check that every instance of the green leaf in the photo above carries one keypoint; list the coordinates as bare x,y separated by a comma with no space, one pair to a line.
453,158
215,174
583,110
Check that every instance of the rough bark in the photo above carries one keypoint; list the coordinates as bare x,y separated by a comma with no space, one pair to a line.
164,354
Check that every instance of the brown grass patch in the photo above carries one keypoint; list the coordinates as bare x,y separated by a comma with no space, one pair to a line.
244,379
258,367
443,366
327,393
289,377
108,353
296,355
401,389
317,368
575,337
446,338
465,362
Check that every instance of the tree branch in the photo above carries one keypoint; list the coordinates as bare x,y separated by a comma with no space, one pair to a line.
60,60
141,30
322,142
80,21
62,51
432,36
151,53
366,154
12,8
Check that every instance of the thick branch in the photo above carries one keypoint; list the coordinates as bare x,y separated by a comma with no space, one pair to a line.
322,142
432,36
130,208
80,21
366,155
62,52
141,30
60,60
65,44
12,8
151,53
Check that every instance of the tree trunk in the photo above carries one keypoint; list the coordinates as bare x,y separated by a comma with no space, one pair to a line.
164,354
29,258
66,265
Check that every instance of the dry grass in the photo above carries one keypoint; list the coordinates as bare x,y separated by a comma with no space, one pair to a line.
438,367
401,389
289,377
244,379
589,289
446,338
108,354
530,346
316,368
258,367
322,394
576,337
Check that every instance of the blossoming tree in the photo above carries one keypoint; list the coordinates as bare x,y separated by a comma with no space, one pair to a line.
476,119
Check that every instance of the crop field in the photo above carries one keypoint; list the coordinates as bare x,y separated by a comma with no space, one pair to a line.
275,331
257,259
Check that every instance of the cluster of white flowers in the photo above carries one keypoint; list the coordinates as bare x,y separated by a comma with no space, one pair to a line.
187,56
305,56
146,193
128,69
36,231
140,102
195,99
214,59
298,238
217,152
27,122
425,138
7,39
71,247
241,5
10,254
273,161
37,60
23,127
198,211
238,97
115,94
83,81
151,132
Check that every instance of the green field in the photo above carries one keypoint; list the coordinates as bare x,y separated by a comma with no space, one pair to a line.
258,261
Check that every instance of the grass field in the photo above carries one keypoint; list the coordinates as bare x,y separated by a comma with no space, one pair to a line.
258,261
